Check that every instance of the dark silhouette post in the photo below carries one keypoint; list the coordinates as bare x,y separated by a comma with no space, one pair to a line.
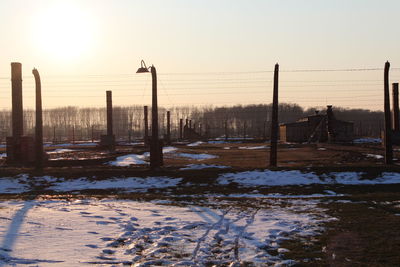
109,113
39,122
156,156
388,126
92,133
17,112
190,124
168,127
181,129
73,134
244,130
396,122
146,125
274,125
226,130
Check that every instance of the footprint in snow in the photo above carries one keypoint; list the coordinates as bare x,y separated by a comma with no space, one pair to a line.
108,251
114,218
93,233
91,246
134,219
169,218
63,229
84,212
106,238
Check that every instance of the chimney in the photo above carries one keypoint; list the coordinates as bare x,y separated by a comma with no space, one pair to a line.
17,108
396,122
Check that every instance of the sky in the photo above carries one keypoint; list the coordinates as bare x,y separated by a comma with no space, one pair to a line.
205,52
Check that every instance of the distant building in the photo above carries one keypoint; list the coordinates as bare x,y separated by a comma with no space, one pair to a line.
318,128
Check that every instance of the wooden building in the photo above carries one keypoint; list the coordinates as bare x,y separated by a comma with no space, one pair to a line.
318,128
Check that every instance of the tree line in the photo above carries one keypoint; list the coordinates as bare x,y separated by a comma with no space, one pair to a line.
252,121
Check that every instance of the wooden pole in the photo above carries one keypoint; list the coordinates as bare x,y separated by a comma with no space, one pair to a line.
168,127
146,125
274,125
388,126
17,107
73,134
226,130
155,147
39,122
244,130
181,129
109,113
396,122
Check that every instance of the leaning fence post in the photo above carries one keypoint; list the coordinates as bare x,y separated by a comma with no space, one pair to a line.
388,126
274,125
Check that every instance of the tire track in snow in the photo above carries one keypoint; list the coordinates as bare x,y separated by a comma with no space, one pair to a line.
203,237
248,223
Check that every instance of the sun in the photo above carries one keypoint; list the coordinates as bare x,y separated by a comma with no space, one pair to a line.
63,31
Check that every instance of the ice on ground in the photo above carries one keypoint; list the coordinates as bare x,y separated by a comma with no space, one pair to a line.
281,178
130,159
112,232
202,166
196,156
131,184
375,156
196,143
253,147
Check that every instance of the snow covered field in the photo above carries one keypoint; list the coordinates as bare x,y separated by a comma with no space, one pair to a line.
106,232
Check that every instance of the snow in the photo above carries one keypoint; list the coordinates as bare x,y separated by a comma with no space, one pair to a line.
130,159
252,147
196,143
61,150
367,140
374,156
202,166
69,144
16,185
24,183
3,155
131,184
114,232
196,156
281,178
169,149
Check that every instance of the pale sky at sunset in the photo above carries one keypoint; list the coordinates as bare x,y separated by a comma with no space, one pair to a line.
206,52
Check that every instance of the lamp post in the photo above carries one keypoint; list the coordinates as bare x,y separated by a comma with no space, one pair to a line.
155,144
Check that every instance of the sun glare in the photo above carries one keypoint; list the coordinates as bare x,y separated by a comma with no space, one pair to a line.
63,31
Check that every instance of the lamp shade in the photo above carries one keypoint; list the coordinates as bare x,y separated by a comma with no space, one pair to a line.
142,70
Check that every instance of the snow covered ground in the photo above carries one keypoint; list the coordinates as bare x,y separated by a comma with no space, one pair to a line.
107,232
280,178
265,178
